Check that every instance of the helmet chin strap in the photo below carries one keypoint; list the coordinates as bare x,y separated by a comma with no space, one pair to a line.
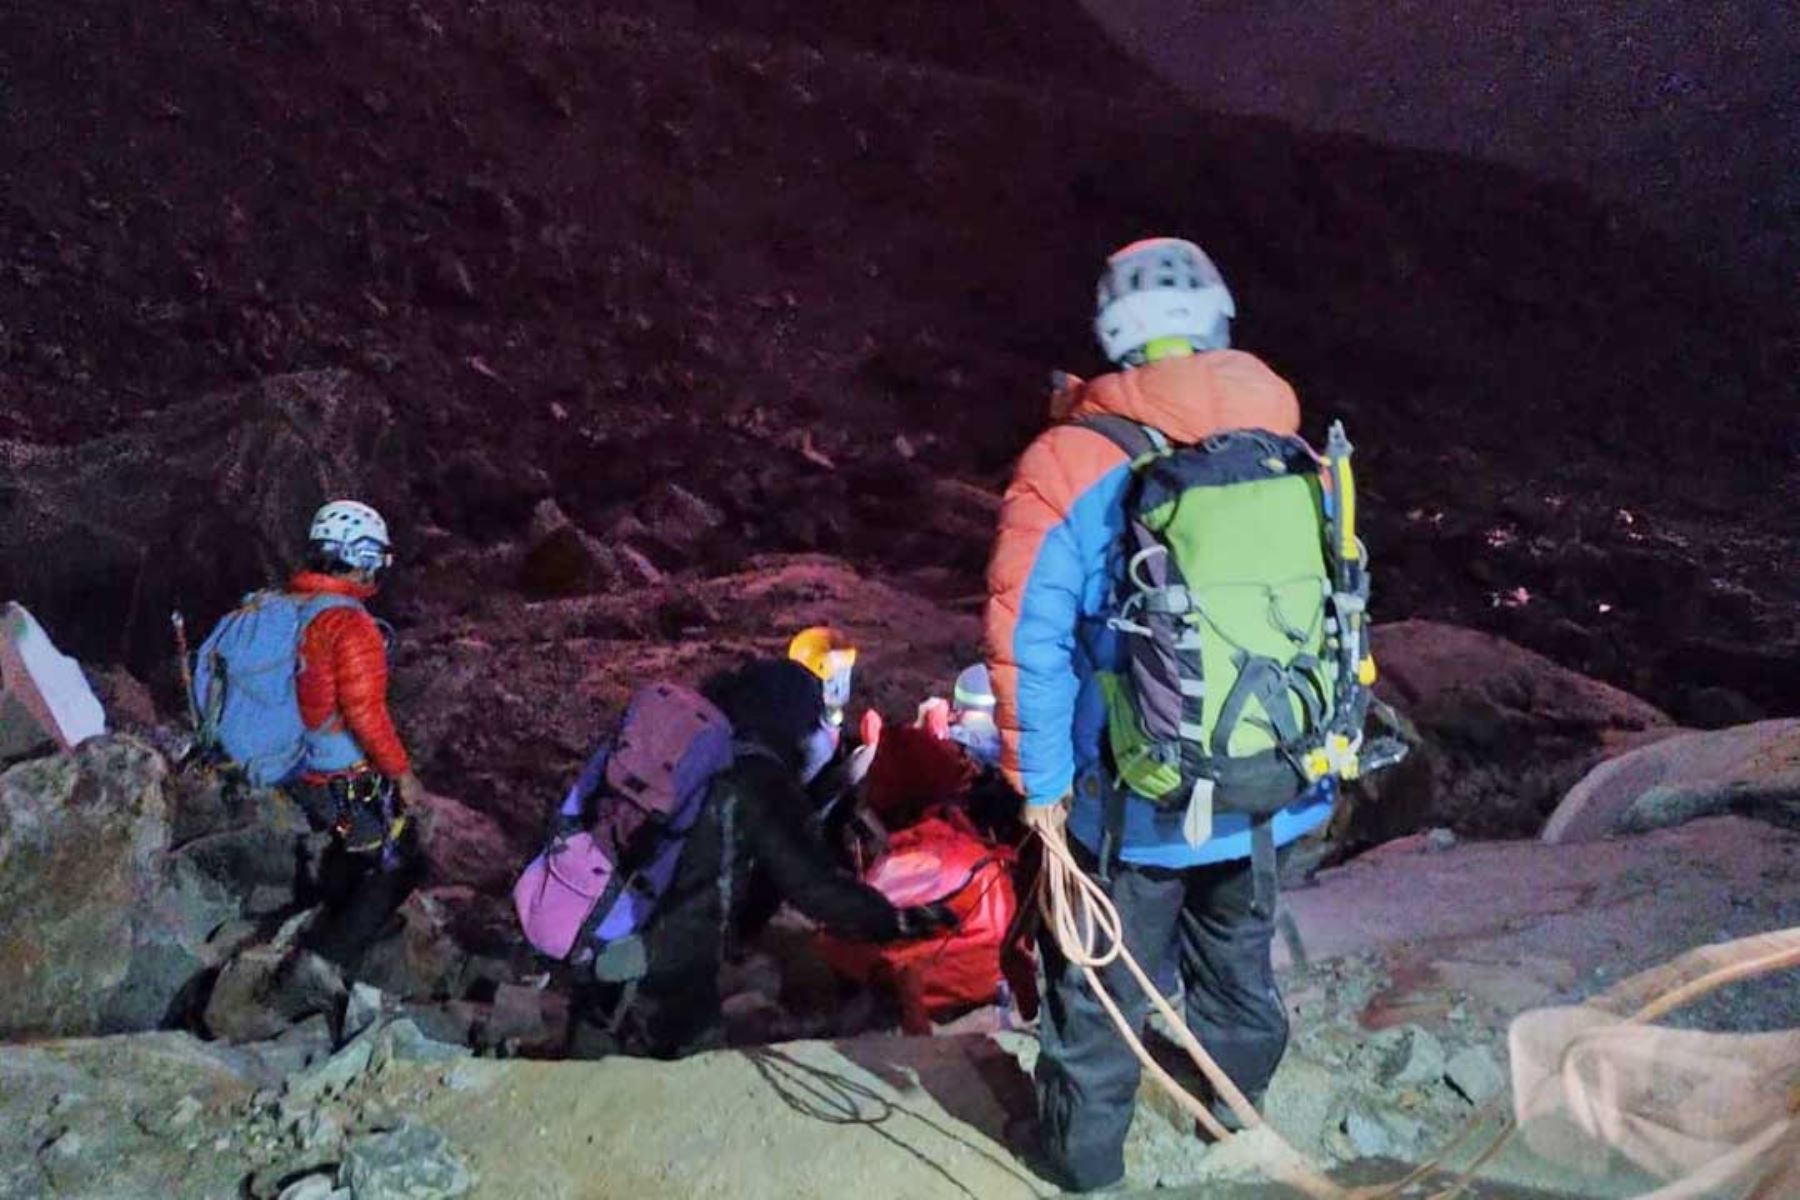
1179,346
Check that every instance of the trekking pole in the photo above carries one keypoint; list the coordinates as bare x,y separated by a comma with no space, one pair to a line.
185,667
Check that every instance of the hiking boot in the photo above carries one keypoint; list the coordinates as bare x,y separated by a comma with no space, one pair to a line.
1225,1115
307,983
1024,1137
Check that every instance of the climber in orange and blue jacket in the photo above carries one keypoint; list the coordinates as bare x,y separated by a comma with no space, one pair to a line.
1163,317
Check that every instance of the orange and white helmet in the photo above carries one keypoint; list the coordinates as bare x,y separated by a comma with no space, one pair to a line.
832,657
1158,289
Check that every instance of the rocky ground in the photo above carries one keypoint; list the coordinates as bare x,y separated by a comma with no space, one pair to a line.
1410,963
583,256
145,895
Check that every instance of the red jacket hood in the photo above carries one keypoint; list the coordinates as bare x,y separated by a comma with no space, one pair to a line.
312,583
1193,398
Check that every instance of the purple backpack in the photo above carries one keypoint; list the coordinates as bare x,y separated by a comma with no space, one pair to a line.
620,831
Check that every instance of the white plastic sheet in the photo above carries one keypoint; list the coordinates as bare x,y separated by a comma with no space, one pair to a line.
44,697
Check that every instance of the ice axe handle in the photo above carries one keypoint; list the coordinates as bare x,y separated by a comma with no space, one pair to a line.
185,666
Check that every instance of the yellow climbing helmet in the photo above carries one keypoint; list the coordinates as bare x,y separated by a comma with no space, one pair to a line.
832,657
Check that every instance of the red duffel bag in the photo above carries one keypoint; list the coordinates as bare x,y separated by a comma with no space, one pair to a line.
940,859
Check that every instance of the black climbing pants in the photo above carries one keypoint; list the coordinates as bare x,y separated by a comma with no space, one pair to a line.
666,1016
1087,1076
358,897
357,893
674,1010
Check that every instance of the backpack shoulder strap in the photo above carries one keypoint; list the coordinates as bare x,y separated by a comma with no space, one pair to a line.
320,602
1141,443
305,610
743,749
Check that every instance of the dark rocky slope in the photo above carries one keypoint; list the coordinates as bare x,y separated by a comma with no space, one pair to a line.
582,252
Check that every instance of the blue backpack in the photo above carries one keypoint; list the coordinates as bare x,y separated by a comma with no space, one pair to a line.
244,684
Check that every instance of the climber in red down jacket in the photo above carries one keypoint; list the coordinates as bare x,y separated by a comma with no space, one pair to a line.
356,781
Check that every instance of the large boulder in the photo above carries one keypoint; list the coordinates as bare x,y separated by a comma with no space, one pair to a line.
562,559
1753,770
188,508
247,840
126,885
465,847
82,838
421,957
1504,734
124,1116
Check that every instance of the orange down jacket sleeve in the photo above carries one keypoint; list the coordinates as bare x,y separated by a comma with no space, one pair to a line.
344,677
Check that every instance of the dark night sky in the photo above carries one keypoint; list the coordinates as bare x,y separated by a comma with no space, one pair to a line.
1687,110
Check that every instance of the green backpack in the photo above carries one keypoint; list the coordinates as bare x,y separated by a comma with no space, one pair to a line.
1241,601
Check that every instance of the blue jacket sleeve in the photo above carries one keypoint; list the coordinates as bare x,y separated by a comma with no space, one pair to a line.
1044,643
1036,580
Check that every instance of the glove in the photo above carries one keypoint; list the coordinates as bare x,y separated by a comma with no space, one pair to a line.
1047,817
869,729
934,717
923,920
860,760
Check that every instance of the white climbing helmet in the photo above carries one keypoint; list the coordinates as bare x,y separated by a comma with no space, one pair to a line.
973,691
353,533
1161,287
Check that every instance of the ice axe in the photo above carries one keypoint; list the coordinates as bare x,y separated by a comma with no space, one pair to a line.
184,665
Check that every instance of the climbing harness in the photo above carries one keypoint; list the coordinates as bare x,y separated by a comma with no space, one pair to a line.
367,790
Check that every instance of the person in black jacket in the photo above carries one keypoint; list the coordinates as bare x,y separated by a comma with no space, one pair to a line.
755,845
